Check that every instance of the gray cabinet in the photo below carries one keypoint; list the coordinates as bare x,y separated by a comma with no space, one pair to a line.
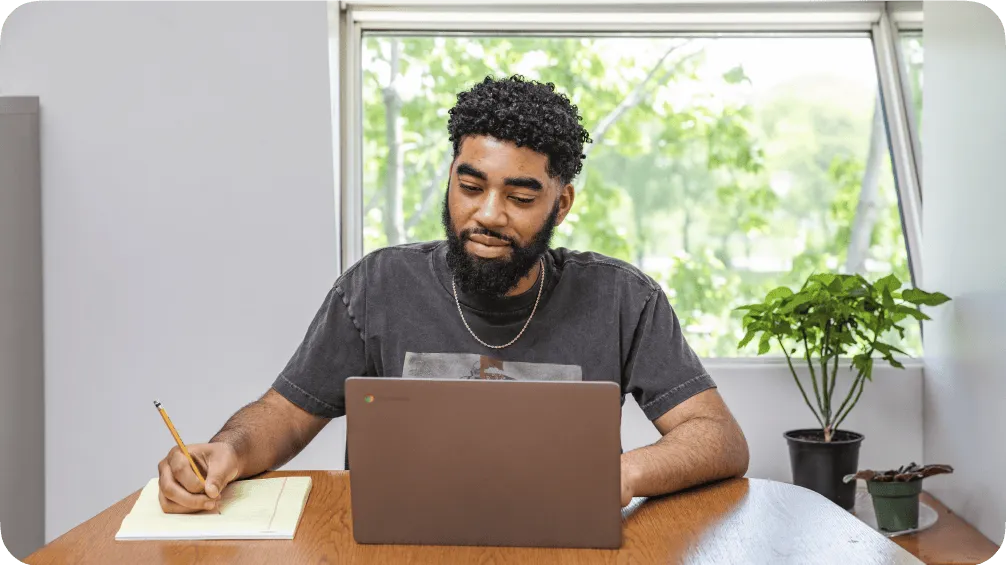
22,473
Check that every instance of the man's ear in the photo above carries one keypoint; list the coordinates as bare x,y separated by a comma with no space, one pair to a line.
566,197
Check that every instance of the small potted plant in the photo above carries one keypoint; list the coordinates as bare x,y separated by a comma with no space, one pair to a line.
830,318
895,493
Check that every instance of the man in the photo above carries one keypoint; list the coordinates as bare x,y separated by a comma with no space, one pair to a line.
493,301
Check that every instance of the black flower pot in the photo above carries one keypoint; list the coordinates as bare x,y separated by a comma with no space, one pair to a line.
820,466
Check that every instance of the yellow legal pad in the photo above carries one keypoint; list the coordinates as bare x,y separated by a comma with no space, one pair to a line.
251,509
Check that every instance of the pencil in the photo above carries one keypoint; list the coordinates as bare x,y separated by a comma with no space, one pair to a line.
178,440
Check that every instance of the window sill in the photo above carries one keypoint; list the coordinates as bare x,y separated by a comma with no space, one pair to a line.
780,361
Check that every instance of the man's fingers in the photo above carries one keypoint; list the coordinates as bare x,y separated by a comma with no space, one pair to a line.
221,469
175,493
182,471
219,475
172,508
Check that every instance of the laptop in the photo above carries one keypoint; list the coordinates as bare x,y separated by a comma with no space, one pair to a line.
484,462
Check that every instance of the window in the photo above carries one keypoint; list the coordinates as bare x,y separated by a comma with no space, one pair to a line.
736,148
911,57
721,167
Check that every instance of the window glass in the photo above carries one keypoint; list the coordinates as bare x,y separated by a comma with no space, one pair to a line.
722,167
911,57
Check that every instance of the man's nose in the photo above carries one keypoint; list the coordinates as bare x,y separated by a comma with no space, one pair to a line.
492,213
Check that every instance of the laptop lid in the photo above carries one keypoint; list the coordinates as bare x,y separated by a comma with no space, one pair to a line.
496,463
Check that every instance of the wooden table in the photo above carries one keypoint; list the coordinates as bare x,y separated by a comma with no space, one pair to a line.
738,521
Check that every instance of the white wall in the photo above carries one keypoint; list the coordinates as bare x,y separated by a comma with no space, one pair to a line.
189,230
190,236
964,197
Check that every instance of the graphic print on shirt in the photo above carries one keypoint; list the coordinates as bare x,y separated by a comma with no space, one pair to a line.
472,366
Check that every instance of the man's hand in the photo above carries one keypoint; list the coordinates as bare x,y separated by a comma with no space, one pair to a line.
701,442
263,435
181,491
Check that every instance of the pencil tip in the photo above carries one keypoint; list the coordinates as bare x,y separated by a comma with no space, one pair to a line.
157,404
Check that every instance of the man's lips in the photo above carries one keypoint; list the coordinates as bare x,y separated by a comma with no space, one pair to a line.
488,241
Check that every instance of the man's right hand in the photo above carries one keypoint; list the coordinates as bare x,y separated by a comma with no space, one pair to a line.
181,491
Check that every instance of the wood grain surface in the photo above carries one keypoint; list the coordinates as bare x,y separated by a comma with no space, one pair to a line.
738,521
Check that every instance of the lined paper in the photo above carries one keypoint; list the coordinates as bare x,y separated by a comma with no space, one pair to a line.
251,509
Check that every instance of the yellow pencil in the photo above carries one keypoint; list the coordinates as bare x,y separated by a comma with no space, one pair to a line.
178,440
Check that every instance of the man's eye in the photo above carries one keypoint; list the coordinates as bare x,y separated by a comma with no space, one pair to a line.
470,188
523,200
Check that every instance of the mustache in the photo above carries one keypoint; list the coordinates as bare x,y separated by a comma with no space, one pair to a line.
465,234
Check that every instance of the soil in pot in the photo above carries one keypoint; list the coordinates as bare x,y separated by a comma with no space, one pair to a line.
820,466
896,504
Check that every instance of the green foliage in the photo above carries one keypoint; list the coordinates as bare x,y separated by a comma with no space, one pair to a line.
833,316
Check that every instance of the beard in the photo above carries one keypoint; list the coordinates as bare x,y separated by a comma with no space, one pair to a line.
493,277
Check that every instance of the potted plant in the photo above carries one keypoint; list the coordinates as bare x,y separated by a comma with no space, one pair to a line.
895,493
829,318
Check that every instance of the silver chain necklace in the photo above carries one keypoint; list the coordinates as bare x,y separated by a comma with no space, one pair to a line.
541,277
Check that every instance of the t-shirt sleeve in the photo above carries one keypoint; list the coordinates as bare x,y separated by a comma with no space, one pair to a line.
332,351
662,370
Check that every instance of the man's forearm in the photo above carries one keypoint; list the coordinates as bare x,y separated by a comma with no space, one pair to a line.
697,451
265,436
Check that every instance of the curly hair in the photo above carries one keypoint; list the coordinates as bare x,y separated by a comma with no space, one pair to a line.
527,113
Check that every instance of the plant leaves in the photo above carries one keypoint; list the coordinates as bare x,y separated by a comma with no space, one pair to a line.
888,300
851,283
895,349
736,75
824,279
917,296
902,474
868,369
857,292
778,293
764,345
890,283
796,301
747,339
913,312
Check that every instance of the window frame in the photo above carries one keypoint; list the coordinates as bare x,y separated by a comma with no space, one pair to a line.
880,21
896,98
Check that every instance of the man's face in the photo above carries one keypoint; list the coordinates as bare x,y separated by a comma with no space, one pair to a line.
499,214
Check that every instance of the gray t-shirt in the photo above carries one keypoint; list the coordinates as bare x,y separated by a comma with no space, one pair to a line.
394,314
